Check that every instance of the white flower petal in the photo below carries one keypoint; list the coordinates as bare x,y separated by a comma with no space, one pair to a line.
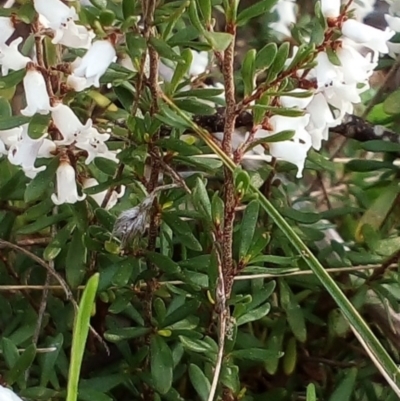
330,8
67,191
37,98
366,35
8,395
11,58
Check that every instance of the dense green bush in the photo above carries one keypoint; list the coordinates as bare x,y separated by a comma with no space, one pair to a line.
124,205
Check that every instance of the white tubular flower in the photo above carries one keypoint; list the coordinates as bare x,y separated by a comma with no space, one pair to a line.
10,136
199,63
394,8
6,29
81,38
286,10
354,66
56,12
321,118
68,124
94,144
330,8
99,197
8,395
3,150
47,149
25,152
295,150
296,102
37,98
325,72
67,191
69,34
393,22
368,36
11,58
95,62
78,84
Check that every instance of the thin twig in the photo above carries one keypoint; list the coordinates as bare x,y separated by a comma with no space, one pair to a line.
42,263
223,314
295,272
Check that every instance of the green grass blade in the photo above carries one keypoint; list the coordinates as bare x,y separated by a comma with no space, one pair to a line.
80,334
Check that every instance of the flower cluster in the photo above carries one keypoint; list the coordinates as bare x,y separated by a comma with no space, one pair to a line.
71,135
333,86
337,85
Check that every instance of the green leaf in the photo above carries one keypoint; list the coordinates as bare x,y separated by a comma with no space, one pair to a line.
125,333
58,242
363,166
180,313
195,106
199,381
248,227
205,7
177,145
129,8
38,125
43,223
5,108
161,364
42,182
12,122
241,180
165,263
10,352
279,62
301,217
345,390
202,200
311,395
21,365
194,16
381,146
99,3
376,214
38,393
106,17
80,334
266,56
48,360
75,268
248,72
290,357
12,79
219,41
255,314
182,231
258,8
164,50
255,354
391,104
333,57
293,311
217,206
274,344
195,345
181,69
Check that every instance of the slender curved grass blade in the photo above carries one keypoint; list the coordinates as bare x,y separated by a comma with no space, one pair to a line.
80,334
